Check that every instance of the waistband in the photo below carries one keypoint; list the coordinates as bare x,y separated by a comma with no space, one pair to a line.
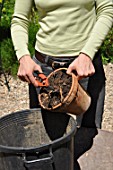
54,62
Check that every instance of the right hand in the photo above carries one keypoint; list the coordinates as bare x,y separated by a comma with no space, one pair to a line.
26,68
82,65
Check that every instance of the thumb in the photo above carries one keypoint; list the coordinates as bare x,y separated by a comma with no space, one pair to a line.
69,70
38,68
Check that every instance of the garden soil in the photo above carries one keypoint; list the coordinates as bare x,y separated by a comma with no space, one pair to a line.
59,87
17,98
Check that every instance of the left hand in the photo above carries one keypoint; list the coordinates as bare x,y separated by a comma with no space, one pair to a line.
82,65
26,68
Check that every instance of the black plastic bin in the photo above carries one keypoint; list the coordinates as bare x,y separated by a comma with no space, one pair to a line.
26,145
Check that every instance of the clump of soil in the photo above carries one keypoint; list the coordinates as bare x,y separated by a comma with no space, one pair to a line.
59,87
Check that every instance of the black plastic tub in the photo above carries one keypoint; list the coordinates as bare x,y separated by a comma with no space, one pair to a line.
26,145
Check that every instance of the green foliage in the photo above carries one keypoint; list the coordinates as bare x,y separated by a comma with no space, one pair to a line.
9,61
8,58
107,48
7,11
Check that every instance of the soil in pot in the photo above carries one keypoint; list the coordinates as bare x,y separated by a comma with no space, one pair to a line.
59,86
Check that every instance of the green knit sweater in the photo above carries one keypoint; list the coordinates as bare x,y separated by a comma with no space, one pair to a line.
67,27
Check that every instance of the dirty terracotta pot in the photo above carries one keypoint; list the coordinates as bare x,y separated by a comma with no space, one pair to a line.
77,100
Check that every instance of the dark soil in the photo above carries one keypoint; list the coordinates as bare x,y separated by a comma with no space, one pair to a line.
59,87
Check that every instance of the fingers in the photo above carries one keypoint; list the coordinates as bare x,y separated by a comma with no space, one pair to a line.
26,73
69,70
28,78
26,69
85,71
24,78
82,67
81,72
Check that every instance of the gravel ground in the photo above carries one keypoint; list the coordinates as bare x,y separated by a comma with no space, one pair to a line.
108,107
17,98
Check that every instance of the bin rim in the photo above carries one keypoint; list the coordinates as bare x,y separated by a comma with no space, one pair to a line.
53,144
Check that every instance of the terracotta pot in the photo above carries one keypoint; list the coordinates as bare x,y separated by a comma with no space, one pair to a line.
77,100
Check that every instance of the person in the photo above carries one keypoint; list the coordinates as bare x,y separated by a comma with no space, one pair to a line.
70,32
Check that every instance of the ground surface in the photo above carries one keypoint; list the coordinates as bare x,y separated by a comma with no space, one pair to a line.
17,98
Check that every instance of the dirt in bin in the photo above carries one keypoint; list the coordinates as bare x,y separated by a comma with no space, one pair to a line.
59,87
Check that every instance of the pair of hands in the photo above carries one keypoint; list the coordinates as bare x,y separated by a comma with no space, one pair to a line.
82,65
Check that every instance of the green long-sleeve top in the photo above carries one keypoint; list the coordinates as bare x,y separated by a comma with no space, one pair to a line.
67,27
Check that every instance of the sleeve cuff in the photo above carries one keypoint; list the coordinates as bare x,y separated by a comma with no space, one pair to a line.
89,53
21,53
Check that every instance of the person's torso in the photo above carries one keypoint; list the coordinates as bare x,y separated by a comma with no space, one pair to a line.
65,22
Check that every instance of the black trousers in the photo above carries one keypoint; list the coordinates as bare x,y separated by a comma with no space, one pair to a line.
56,123
95,86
